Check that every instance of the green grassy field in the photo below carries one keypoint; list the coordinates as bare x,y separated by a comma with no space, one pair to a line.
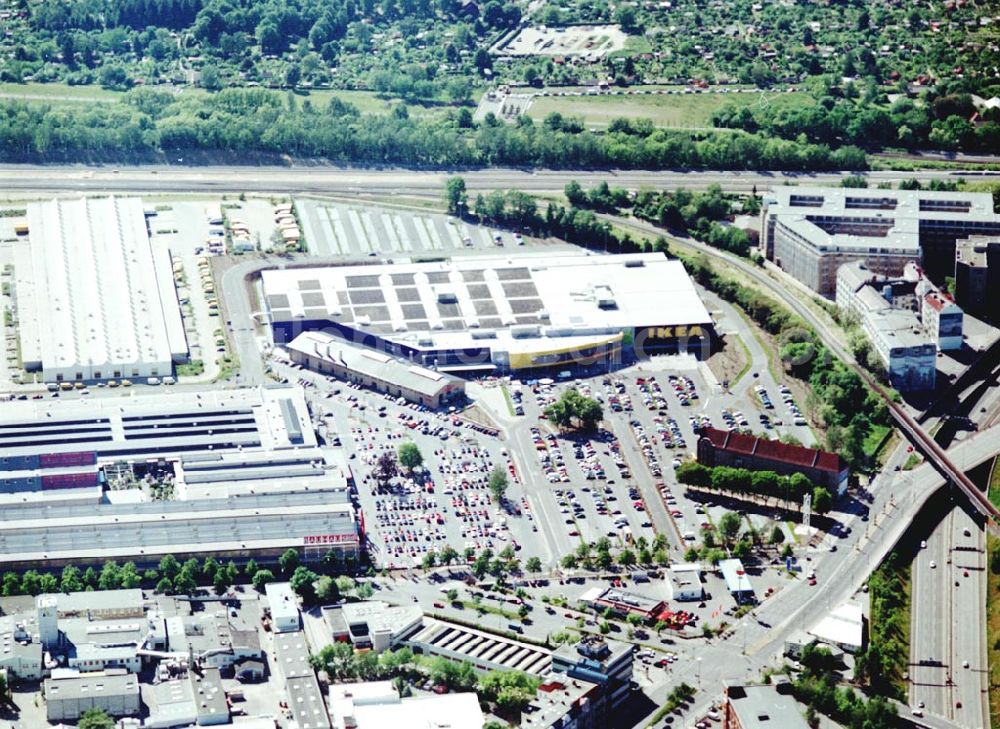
367,102
57,92
666,110
993,632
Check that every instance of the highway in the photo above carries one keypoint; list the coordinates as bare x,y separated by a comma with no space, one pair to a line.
165,179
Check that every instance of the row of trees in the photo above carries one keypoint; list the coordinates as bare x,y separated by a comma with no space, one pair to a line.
597,555
256,121
768,484
170,576
697,213
886,658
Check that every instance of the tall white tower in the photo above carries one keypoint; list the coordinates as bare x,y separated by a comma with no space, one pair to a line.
48,621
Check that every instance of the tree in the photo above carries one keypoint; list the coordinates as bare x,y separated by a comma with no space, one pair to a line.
288,561
568,562
71,580
303,582
95,719
169,566
185,582
456,196
777,535
729,526
573,408
533,564
498,484
410,456
626,558
386,467
822,501
210,78
327,590
261,578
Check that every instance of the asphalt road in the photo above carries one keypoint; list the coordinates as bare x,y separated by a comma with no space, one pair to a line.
159,179
947,622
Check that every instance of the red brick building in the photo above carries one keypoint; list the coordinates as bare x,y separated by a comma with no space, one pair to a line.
726,448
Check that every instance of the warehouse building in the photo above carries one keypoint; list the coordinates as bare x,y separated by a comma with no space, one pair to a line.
812,232
333,355
244,472
305,698
69,694
977,277
729,448
155,425
497,313
232,528
96,300
377,704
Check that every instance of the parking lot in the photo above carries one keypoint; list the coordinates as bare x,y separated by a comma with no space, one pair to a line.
620,483
408,517
335,229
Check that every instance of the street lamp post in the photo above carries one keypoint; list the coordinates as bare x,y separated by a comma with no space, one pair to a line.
698,659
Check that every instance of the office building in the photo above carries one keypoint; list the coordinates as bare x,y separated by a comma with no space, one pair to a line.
738,450
333,355
906,319
96,300
69,694
812,232
566,704
377,705
943,320
761,707
372,624
606,663
977,277
506,313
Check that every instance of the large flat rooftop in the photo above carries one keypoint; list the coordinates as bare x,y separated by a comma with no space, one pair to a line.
846,219
162,423
146,531
100,301
473,302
